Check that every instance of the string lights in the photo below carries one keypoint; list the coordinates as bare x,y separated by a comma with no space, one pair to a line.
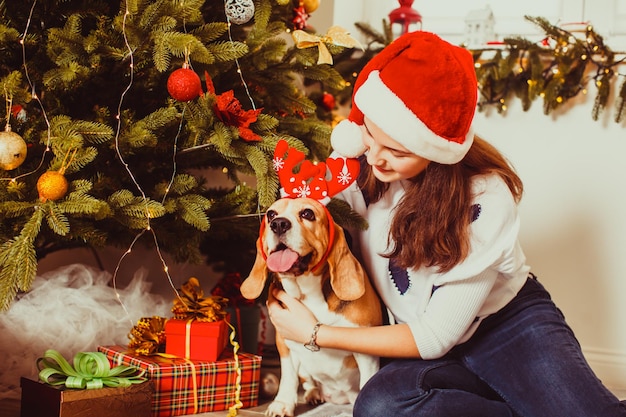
34,96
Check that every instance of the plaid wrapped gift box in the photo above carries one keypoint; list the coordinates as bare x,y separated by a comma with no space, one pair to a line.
185,387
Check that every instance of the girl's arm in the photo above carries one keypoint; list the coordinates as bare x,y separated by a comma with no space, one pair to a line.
294,321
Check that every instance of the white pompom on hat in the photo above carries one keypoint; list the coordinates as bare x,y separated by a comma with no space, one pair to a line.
422,92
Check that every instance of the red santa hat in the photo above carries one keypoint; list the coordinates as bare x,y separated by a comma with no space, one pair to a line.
422,92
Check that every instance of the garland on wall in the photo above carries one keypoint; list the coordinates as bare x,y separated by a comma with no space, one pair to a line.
556,69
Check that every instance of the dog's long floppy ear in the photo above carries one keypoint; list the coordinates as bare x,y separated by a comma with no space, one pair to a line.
252,286
347,276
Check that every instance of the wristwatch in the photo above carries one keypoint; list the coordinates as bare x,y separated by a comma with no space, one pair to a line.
312,344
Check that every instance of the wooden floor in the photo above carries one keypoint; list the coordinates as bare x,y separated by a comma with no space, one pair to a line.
11,408
270,364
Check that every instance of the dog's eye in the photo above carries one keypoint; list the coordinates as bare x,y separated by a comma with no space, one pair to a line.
307,214
271,214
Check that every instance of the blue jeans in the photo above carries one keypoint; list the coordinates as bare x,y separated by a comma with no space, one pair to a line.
523,361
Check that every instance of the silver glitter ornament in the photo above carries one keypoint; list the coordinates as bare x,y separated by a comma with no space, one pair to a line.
239,11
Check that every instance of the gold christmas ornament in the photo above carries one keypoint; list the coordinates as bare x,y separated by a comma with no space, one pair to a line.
52,185
310,5
12,150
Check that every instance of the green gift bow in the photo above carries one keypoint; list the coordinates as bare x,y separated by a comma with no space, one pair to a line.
91,370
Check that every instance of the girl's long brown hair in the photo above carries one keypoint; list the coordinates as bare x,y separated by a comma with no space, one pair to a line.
430,223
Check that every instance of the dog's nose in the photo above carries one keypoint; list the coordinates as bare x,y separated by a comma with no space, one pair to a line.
280,225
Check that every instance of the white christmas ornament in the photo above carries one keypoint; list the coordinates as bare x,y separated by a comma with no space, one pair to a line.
239,11
12,150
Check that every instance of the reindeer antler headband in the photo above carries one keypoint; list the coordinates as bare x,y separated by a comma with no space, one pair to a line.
319,181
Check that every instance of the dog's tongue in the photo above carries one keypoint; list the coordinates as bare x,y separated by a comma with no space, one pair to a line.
282,260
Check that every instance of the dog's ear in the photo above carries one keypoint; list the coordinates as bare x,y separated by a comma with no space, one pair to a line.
347,276
252,286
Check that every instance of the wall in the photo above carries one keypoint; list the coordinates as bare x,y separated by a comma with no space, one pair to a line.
573,212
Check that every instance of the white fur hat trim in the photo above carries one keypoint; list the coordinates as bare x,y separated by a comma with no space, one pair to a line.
379,104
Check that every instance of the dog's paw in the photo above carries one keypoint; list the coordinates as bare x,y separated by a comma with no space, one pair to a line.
313,396
279,409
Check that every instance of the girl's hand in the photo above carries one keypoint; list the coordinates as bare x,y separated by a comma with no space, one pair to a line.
292,319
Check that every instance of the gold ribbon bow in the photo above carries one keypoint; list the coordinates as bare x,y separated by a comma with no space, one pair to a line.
192,305
336,35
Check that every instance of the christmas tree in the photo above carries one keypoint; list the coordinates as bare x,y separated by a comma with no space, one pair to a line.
117,112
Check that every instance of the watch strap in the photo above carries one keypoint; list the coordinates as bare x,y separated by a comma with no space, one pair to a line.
312,344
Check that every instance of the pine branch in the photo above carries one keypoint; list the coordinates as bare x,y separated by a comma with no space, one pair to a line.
263,170
57,222
345,216
18,261
134,211
621,103
192,209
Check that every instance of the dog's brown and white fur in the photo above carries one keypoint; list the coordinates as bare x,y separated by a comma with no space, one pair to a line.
336,290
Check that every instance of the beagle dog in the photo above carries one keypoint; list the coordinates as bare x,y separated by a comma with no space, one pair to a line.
307,254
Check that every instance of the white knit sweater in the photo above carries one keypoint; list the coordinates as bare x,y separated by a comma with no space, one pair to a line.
444,309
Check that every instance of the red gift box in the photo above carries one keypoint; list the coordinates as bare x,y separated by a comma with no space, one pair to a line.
196,340
184,387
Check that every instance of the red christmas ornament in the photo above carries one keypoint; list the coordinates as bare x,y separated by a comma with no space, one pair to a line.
328,101
184,84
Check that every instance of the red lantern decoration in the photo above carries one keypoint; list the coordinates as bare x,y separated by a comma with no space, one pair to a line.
406,16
